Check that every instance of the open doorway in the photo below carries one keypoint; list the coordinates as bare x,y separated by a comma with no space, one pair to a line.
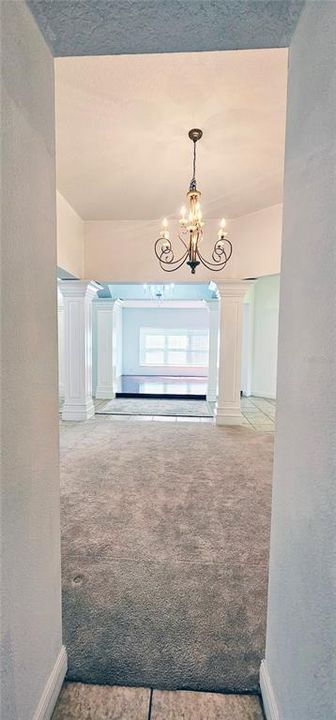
160,350
163,521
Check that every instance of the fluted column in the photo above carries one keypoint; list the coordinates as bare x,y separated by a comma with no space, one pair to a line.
108,340
231,293
213,307
78,296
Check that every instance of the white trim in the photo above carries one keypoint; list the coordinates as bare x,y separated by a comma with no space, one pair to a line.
73,411
52,688
270,706
165,304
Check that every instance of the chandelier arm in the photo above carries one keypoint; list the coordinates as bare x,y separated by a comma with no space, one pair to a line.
176,267
167,257
183,243
217,264
217,257
219,250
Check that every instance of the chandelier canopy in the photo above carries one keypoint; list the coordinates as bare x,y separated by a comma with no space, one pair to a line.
191,232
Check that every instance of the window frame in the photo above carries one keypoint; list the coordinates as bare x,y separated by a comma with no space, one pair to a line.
166,350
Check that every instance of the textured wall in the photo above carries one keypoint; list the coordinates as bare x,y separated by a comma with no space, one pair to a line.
30,603
301,632
70,238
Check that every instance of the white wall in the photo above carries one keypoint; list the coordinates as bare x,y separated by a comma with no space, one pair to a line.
301,627
257,242
30,587
178,318
265,336
123,251
70,238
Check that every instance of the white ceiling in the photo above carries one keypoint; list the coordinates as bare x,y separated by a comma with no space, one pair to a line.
122,122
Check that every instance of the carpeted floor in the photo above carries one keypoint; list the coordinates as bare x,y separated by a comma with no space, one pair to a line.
165,549
143,406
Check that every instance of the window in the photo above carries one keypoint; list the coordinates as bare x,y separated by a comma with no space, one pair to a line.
174,348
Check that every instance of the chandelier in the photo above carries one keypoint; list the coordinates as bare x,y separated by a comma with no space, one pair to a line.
191,232
159,292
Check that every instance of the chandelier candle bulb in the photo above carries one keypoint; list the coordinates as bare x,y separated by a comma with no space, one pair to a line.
191,233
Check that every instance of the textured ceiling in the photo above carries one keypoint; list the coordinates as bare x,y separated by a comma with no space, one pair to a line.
114,27
122,123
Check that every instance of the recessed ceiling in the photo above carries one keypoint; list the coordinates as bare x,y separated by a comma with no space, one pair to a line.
113,27
122,122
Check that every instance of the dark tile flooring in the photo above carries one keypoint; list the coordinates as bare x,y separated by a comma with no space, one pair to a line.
162,385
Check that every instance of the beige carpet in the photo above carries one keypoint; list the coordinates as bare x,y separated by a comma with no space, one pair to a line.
165,549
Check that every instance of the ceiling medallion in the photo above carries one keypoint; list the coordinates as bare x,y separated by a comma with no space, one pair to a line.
191,232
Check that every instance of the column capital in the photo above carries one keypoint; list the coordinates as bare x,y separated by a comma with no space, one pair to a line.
232,288
107,303
79,288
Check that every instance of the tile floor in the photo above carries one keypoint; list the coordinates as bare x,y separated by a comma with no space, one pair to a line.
101,702
258,413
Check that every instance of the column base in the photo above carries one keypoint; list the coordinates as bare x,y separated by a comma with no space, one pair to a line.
104,393
228,415
80,411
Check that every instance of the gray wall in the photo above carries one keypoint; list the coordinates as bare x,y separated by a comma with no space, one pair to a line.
265,336
31,608
301,629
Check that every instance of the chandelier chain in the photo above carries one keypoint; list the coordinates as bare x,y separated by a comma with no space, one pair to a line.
193,179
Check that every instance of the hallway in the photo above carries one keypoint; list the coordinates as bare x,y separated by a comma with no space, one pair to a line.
165,537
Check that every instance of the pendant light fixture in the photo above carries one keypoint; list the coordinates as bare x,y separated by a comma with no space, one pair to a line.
191,232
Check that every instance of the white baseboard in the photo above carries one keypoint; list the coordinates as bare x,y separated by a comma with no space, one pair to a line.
52,688
270,706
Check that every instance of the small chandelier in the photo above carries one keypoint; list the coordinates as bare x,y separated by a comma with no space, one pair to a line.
159,292
191,232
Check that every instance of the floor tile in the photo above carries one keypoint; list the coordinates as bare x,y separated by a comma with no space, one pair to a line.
101,702
183,705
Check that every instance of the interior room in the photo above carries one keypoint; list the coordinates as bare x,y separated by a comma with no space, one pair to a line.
191,351
167,243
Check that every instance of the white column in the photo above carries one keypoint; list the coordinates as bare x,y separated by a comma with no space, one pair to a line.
247,344
108,341
78,296
118,341
231,293
213,307
60,335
